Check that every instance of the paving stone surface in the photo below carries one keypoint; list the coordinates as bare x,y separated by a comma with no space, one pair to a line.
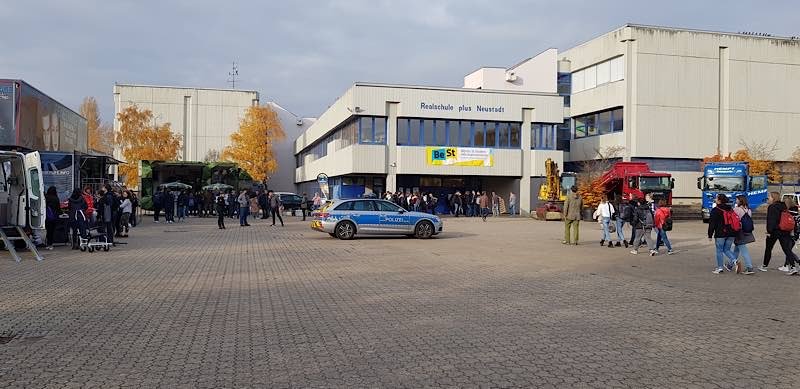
487,304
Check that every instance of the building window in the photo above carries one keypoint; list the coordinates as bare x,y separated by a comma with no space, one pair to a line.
440,131
380,130
371,130
463,133
598,74
453,132
543,136
514,135
598,123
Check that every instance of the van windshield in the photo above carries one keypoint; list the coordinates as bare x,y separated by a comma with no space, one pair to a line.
724,184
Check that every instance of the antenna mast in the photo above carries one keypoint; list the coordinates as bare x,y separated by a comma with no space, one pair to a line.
233,74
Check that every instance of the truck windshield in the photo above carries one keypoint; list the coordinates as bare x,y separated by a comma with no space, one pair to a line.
724,184
654,183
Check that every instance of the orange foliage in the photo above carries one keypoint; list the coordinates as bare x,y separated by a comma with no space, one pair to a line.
251,146
100,136
591,192
139,141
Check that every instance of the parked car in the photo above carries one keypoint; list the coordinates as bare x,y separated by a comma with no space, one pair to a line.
291,201
344,219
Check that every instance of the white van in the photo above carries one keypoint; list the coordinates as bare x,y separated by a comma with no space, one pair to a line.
22,204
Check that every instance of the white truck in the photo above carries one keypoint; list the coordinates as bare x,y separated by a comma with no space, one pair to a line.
22,204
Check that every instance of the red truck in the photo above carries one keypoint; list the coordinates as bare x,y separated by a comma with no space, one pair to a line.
628,179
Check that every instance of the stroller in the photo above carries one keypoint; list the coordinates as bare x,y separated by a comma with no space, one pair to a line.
94,240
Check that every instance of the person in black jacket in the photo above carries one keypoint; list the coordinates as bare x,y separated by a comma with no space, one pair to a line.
77,216
53,210
775,234
723,235
221,208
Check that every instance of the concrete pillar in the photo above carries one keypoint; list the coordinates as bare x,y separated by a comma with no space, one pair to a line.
525,199
630,100
724,131
391,146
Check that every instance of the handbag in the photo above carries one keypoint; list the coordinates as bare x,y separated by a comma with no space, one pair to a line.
612,228
744,238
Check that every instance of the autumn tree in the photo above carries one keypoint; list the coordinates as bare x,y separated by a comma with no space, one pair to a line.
759,155
100,135
140,140
592,171
251,146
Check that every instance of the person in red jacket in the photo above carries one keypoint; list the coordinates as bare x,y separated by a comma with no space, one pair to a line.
91,216
662,213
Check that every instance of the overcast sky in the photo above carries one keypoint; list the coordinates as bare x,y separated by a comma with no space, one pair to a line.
303,55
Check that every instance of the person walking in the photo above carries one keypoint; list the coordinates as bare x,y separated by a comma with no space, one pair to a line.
107,207
745,237
603,215
512,204
169,207
221,208
254,207
318,201
134,208
484,205
572,216
91,214
779,231
125,208
458,203
644,221
495,205
244,207
620,221
77,216
723,227
182,204
275,205
304,205
158,204
663,223
53,210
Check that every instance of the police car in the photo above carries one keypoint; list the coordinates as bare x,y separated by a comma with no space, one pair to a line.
344,219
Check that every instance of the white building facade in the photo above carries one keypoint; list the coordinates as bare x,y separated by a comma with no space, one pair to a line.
672,96
205,118
377,138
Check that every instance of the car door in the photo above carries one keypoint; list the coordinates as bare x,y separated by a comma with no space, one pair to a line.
36,205
392,218
365,217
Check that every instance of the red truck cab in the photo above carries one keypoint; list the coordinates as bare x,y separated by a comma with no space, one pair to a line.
626,180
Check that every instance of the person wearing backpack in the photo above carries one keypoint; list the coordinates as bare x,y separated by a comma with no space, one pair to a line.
780,224
723,227
629,216
643,223
663,223
158,204
619,221
745,237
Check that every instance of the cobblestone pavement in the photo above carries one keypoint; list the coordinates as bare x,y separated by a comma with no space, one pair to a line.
494,304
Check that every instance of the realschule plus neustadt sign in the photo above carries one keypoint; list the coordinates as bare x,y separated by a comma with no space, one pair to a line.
461,108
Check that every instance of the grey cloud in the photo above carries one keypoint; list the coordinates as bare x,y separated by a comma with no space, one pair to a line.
305,54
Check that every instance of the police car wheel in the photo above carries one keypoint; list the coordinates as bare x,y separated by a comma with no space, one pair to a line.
424,230
345,230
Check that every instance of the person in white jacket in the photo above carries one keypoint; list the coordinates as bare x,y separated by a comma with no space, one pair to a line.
605,211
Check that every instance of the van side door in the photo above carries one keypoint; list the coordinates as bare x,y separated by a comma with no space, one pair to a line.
36,208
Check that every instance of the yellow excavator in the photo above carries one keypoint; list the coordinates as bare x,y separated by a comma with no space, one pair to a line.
554,191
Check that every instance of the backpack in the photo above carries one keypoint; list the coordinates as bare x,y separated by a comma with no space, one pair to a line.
627,213
731,223
786,222
747,223
667,222
645,216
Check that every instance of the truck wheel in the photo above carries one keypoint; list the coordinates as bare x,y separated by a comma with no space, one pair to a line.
424,230
345,230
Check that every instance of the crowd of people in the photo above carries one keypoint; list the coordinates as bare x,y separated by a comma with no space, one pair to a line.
731,228
244,205
471,203
110,211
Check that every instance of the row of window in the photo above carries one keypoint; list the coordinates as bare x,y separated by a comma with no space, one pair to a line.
360,129
598,74
599,123
464,133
